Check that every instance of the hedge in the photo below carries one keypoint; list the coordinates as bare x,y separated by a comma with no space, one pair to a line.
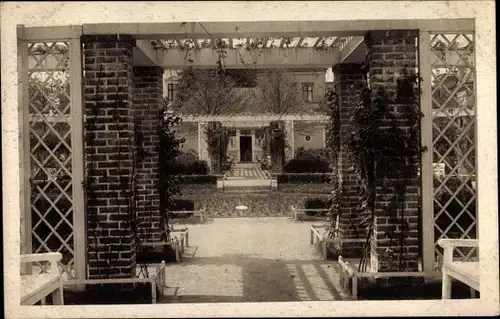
198,179
316,203
308,178
308,161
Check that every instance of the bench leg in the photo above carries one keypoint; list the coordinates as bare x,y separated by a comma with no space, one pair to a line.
311,241
324,249
187,239
472,293
177,256
446,286
57,296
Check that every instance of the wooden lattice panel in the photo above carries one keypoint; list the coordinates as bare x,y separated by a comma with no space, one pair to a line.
51,178
453,125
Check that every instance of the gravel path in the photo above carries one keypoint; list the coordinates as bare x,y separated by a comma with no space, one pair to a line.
251,259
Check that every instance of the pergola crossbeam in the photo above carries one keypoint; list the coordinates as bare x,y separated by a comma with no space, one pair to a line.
341,28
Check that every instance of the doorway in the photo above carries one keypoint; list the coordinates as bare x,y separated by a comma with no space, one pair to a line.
245,148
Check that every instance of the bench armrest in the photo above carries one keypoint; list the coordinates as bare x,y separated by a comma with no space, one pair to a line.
51,257
449,246
447,243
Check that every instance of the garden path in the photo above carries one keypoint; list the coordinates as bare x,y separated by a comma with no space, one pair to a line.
251,260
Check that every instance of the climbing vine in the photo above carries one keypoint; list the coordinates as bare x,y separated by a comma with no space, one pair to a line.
382,141
121,187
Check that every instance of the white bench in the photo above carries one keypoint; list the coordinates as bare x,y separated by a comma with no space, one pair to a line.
464,271
157,281
184,237
36,287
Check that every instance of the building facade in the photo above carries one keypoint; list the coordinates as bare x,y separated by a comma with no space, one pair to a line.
305,126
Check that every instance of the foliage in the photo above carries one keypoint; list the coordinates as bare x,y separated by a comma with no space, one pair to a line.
276,93
169,179
317,203
198,179
306,178
189,164
308,161
204,92
332,129
385,155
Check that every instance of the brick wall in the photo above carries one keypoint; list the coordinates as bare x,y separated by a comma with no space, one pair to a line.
349,80
148,101
388,53
109,239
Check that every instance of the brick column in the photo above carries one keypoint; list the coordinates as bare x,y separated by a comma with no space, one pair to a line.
349,81
110,90
388,53
148,101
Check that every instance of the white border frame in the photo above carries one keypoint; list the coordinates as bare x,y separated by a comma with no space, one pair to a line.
49,13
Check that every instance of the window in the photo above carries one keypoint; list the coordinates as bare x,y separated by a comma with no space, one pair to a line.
307,92
307,138
171,91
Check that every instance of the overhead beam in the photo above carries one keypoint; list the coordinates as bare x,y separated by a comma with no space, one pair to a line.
255,118
144,54
353,44
270,58
274,28
317,42
299,43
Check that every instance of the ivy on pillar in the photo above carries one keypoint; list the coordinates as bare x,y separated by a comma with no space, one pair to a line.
148,102
109,127
349,81
389,52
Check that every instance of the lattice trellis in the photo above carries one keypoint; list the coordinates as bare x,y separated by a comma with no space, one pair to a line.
453,125
51,179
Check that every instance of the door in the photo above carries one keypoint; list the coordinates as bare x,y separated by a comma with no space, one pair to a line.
246,148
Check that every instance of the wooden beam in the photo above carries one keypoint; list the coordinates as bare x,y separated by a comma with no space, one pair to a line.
317,42
299,43
336,41
52,33
350,47
427,169
78,159
276,58
196,44
275,28
145,55
256,118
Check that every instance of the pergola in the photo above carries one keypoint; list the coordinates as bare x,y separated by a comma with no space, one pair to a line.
145,49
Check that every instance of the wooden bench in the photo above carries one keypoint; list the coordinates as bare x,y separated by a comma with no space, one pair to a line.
157,281
463,271
318,239
349,276
36,287
175,244
184,237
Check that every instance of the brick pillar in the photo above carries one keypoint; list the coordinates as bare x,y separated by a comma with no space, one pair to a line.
148,101
388,53
111,243
349,81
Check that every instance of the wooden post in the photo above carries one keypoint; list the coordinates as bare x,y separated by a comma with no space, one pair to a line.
78,163
426,171
292,139
24,147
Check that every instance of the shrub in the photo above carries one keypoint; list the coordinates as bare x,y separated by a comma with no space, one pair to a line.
199,179
318,178
182,205
317,203
189,164
308,161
